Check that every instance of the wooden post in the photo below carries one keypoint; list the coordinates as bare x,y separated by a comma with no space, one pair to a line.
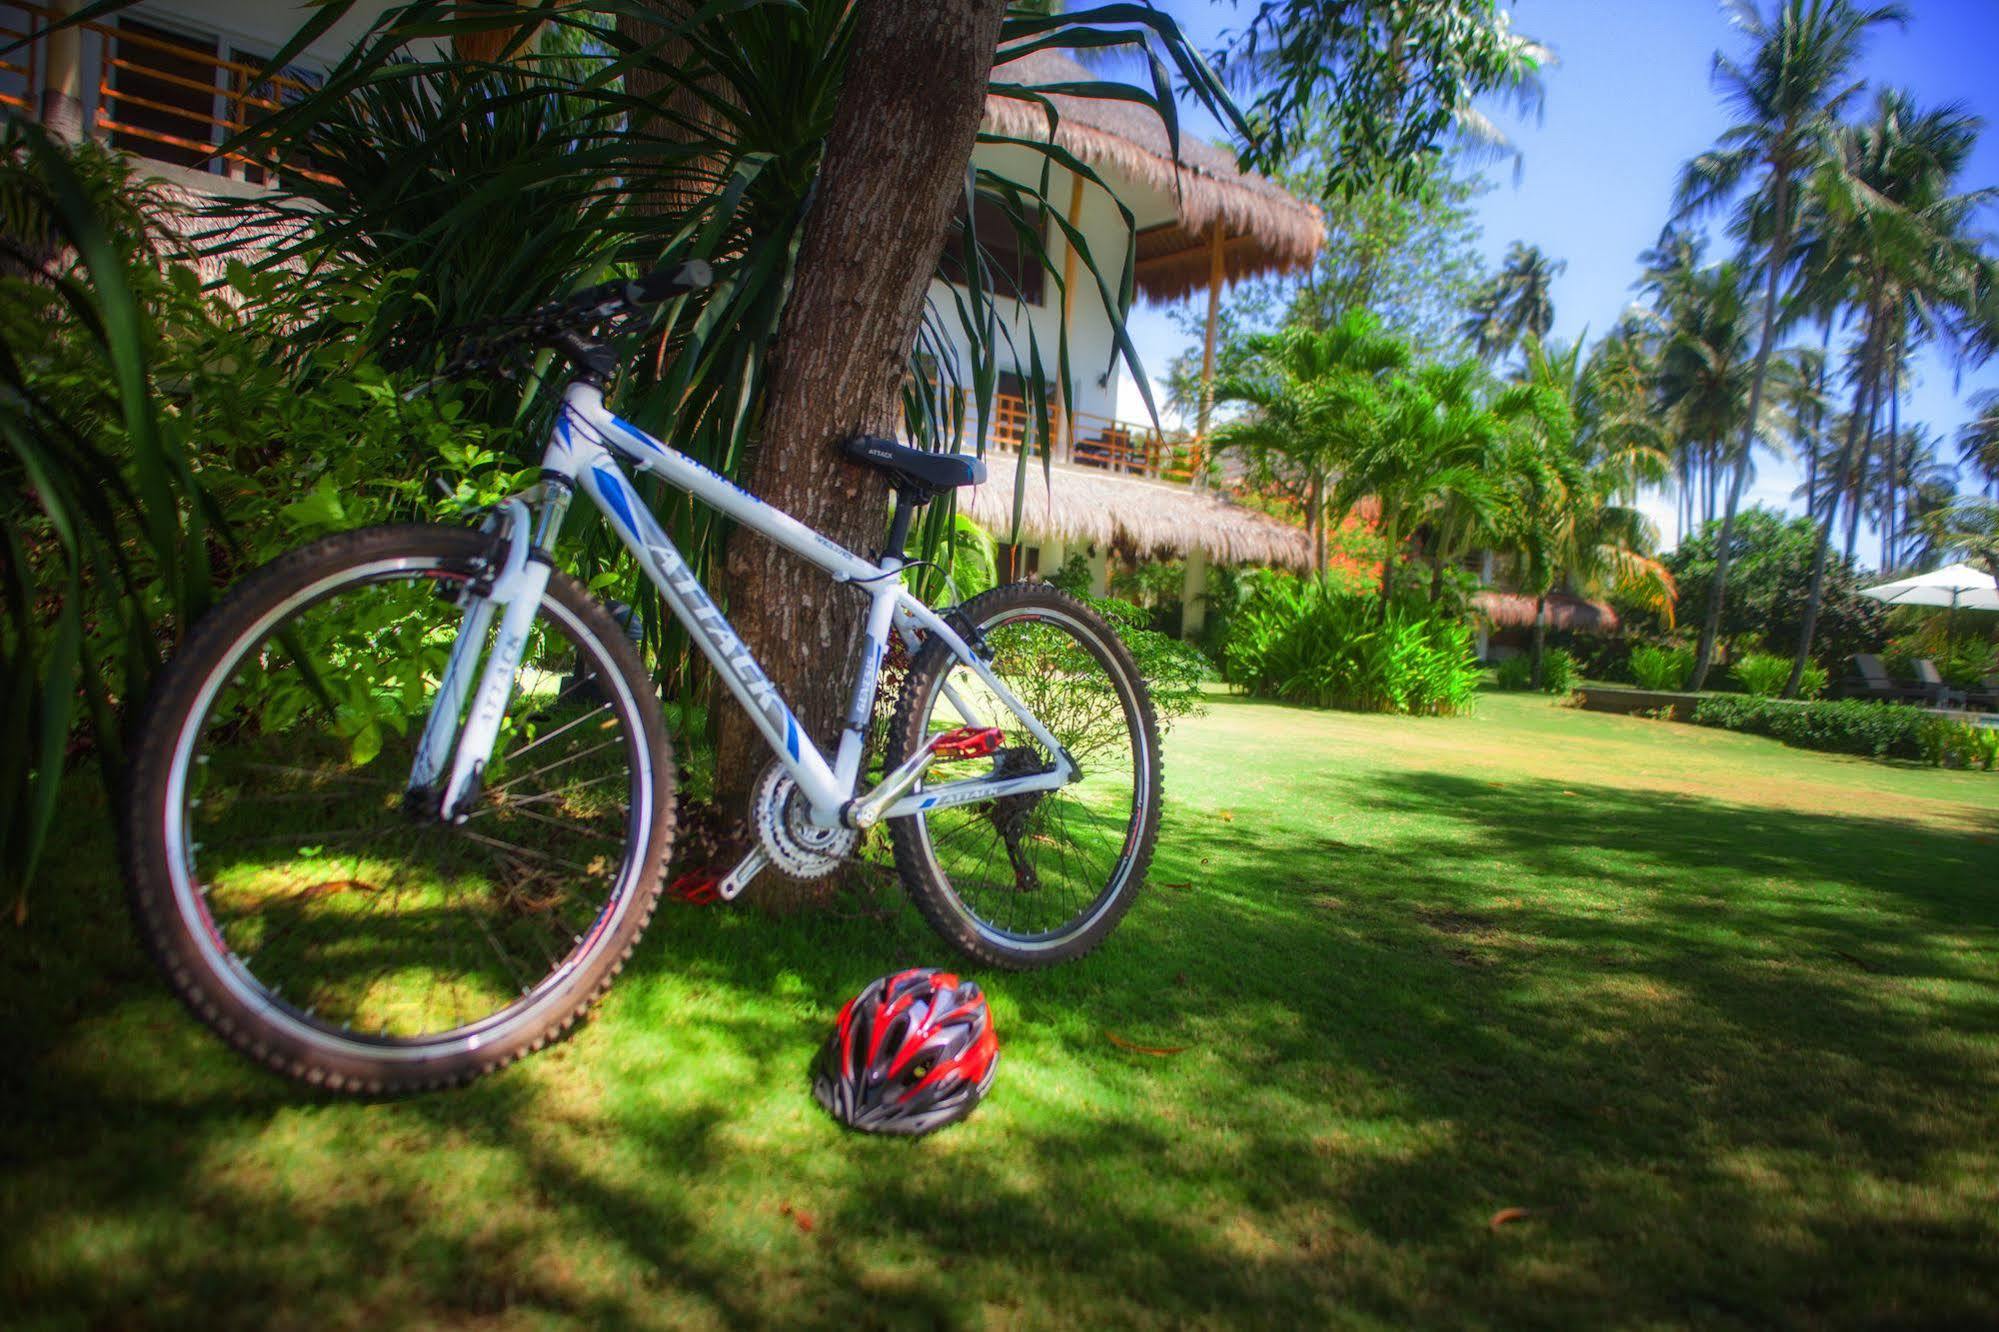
61,55
1217,237
1194,594
1065,418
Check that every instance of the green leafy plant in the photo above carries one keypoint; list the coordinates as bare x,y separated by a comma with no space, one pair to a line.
1306,641
1661,668
1846,726
1947,743
1515,673
1765,674
1560,672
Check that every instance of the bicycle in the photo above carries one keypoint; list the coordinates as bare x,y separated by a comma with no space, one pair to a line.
402,801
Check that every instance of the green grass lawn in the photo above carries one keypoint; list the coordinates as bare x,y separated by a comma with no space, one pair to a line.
1721,1016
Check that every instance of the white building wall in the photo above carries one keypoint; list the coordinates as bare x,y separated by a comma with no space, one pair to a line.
1094,369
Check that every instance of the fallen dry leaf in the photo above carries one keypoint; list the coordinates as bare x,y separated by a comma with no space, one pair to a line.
1228,816
803,1219
1506,1214
1123,1044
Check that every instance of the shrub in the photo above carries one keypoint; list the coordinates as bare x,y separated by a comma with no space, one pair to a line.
1765,674
1954,744
1662,668
1849,726
1310,642
1173,670
1559,671
1962,660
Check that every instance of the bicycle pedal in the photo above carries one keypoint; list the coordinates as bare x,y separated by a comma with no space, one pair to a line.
698,887
968,742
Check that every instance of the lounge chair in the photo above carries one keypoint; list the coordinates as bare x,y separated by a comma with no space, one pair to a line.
1986,697
1869,678
1931,682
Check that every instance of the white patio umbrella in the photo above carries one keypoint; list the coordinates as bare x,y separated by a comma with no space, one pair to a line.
1957,586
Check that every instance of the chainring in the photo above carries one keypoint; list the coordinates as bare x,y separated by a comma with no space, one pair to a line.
798,848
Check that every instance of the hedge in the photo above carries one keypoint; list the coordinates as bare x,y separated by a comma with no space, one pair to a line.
1847,726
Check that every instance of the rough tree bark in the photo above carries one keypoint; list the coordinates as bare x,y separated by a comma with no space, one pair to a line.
895,159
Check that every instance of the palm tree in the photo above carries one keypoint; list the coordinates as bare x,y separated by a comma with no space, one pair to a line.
1970,527
1703,377
1789,96
1578,451
1801,402
1427,446
1310,394
1888,238
1516,304
1978,440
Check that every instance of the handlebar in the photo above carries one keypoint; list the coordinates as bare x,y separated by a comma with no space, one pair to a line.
563,325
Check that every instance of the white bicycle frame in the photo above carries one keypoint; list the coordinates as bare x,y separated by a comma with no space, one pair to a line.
583,452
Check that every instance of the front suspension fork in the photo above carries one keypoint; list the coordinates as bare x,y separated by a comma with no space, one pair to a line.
517,588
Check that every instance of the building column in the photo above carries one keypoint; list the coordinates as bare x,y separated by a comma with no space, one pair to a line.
1051,554
60,55
1217,239
1194,594
1100,571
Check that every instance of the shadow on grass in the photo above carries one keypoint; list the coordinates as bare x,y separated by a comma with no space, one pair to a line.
1738,1064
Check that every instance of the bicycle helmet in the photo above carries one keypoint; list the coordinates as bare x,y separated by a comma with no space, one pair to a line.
911,1053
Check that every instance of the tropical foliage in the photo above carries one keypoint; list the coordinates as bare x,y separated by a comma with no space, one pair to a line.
1306,641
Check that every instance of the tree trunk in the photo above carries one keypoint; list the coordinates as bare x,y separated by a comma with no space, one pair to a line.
1860,471
1863,405
1388,563
1540,640
1891,522
1780,245
1318,523
895,160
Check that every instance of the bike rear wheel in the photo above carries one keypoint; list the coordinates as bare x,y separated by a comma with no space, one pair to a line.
1031,880
324,923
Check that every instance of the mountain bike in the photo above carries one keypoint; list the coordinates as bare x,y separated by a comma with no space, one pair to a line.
403,800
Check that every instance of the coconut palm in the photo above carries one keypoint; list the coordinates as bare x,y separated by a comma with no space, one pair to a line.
1889,238
1576,455
1310,395
1516,304
1969,528
1704,373
1978,441
1789,96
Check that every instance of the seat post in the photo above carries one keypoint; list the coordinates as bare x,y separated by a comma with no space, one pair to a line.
907,500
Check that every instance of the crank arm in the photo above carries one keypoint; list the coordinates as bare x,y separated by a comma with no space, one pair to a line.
739,878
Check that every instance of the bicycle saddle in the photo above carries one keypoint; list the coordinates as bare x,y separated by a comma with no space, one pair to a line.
914,469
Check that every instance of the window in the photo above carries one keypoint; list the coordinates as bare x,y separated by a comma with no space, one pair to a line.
1017,563
1014,272
160,98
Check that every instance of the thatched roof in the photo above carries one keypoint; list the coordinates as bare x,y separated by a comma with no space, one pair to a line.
1267,230
1086,505
1515,610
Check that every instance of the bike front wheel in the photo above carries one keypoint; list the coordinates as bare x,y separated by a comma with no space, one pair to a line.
309,907
1039,878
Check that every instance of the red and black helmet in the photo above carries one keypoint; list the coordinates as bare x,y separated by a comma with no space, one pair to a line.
912,1052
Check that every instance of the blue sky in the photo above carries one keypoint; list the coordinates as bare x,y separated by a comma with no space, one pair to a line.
1629,101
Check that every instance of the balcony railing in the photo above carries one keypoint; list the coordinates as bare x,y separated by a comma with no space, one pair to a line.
1129,448
20,74
155,93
